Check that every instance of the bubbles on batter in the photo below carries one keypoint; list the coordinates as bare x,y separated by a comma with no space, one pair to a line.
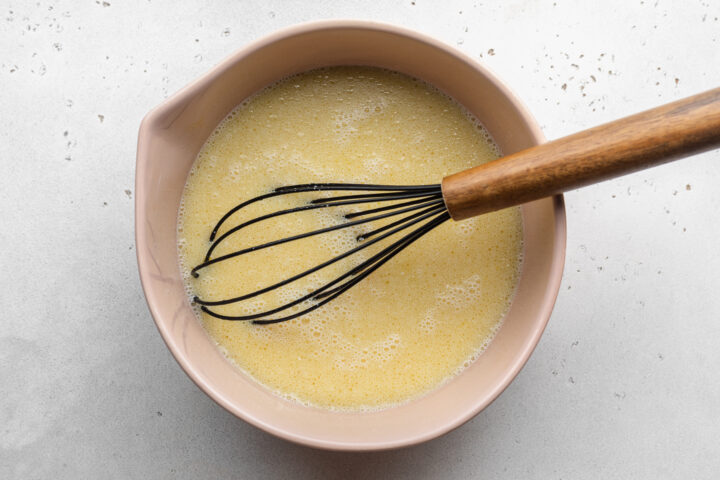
347,121
429,321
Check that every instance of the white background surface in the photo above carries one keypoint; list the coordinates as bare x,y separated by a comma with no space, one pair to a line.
624,384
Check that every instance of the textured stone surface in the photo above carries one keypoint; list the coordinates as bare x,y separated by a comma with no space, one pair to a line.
623,384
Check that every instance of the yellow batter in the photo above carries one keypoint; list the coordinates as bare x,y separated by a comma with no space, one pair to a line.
412,324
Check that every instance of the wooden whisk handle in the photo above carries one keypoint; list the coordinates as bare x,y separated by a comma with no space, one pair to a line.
650,138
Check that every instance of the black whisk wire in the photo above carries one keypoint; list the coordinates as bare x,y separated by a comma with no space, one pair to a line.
409,220
425,205
317,187
314,206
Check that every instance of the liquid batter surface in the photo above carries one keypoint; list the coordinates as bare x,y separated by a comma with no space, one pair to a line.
412,324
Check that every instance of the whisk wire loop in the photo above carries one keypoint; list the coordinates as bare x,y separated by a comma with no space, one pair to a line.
362,271
417,217
317,187
273,243
313,206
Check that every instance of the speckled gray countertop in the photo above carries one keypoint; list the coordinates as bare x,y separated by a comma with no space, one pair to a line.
624,384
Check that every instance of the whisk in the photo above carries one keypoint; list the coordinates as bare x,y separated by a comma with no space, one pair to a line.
650,138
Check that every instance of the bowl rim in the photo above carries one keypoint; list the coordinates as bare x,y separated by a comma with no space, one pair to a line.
141,234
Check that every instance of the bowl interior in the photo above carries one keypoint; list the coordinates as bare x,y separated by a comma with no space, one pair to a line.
172,134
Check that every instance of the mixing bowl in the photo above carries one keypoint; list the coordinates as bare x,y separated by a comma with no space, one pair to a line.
171,136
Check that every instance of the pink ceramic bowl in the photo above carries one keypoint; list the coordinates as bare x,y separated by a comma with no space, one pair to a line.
170,138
